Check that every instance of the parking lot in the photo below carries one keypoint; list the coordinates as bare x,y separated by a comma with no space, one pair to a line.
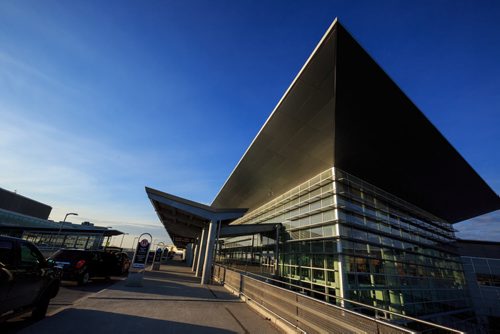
69,293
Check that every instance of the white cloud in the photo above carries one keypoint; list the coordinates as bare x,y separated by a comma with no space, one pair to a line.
485,227
69,172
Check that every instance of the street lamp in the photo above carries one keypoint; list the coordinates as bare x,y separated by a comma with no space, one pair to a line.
70,214
61,224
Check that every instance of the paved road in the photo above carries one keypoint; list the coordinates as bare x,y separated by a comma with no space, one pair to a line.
68,294
171,301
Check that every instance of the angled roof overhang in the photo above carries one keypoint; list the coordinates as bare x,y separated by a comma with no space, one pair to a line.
342,110
295,143
184,219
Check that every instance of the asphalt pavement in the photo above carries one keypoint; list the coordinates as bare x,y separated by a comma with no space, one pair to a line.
69,294
171,300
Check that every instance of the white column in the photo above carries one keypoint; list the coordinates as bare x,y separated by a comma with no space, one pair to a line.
195,256
207,265
201,252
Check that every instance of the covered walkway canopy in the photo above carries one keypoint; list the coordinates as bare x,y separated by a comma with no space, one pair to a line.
188,222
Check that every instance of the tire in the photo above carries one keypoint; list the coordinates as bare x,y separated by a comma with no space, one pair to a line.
41,307
84,278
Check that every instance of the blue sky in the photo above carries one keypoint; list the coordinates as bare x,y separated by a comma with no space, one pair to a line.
101,98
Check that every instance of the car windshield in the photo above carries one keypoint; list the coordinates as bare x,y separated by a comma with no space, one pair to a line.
69,255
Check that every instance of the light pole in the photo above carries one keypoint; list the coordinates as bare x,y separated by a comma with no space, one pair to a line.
123,236
61,224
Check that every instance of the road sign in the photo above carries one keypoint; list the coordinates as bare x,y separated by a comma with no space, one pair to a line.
139,262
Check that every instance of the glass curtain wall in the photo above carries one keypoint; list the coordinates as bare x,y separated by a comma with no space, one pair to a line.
67,240
344,237
308,243
394,255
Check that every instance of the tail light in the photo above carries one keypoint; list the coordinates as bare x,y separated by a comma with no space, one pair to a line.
80,264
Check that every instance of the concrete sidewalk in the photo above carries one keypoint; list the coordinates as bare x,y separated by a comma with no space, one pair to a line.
171,301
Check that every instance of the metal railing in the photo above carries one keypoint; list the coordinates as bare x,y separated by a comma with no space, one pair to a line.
311,315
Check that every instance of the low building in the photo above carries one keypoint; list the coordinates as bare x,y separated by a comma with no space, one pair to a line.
25,218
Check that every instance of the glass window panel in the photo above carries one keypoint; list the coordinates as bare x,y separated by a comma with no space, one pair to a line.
364,279
319,275
379,279
330,260
351,280
304,234
315,205
315,219
317,232
318,261
305,274
327,201
330,246
329,231
317,247
331,276
328,215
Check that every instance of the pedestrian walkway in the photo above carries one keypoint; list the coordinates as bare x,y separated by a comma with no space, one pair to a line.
171,301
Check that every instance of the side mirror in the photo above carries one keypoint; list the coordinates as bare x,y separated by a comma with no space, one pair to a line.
51,263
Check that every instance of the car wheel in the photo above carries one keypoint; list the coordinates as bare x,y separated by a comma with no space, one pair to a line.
41,307
84,278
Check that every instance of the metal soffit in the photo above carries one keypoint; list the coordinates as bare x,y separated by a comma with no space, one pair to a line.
184,219
342,110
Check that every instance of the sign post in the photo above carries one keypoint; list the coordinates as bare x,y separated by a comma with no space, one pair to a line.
158,256
136,272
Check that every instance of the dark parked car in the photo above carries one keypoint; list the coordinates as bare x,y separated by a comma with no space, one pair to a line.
82,265
27,280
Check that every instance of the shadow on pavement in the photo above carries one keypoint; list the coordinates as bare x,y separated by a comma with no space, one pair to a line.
95,285
14,326
69,292
77,321
170,284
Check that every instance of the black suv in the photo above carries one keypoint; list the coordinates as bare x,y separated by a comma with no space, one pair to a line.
27,280
82,265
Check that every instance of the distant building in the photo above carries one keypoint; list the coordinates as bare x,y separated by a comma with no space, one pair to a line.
12,201
481,263
26,218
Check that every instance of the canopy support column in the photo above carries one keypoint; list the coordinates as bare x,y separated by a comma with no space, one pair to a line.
207,265
195,256
201,253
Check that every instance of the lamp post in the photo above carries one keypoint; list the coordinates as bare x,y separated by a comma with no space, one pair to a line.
61,224
123,236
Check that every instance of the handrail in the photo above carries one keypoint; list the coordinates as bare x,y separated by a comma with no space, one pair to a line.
376,309
267,309
339,307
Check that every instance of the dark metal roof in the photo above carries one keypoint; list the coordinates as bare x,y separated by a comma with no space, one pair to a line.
343,110
14,202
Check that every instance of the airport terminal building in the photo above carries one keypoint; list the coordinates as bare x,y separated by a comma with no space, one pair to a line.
347,190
